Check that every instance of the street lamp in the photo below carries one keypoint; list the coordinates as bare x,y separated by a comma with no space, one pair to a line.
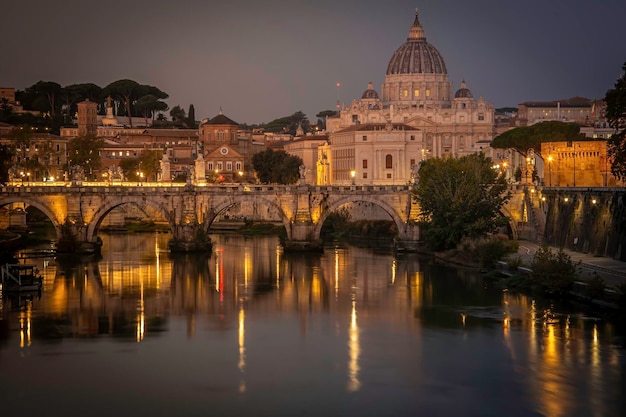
353,175
240,176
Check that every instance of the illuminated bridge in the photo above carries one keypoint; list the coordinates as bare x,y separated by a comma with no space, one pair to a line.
77,209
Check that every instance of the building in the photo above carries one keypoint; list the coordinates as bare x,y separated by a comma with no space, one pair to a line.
577,164
417,117
578,110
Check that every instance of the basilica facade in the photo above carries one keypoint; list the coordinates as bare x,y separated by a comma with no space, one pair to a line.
381,140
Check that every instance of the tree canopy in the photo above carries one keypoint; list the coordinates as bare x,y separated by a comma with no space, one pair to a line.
459,198
526,137
84,151
276,167
616,117
289,124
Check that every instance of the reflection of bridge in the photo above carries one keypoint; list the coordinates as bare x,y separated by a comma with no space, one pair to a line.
190,210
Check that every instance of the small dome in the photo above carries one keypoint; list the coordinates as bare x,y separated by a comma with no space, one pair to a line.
370,93
463,92
416,56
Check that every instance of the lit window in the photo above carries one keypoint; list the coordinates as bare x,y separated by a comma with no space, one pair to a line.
416,93
405,93
428,92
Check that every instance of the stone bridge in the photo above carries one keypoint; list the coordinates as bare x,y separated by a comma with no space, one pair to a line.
77,210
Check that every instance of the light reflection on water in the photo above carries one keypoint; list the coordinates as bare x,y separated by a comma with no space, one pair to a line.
250,330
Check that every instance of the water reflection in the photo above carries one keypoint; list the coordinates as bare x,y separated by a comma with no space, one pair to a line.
412,330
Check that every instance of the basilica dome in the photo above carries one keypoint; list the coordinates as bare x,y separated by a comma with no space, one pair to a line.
416,56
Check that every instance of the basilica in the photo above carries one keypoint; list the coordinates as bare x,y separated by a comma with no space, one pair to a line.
381,139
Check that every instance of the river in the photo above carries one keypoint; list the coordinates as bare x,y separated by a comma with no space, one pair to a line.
251,331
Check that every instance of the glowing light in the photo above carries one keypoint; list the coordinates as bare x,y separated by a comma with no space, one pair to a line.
354,351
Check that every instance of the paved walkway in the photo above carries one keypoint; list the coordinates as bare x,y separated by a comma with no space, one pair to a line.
613,272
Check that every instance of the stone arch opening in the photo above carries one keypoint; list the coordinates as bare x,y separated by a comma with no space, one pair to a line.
336,205
42,207
259,202
110,205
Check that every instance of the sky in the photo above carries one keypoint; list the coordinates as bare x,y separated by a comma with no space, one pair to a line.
258,60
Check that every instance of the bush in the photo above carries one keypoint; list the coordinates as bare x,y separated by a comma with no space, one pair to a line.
552,273
595,288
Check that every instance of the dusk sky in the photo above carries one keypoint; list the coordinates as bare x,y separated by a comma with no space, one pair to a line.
265,59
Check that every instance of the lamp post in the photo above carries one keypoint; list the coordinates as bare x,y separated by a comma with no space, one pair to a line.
353,175
240,176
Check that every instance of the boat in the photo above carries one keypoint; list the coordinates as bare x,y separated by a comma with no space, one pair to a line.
20,278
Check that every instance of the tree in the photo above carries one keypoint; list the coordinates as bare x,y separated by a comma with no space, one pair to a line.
84,151
289,124
616,117
75,93
177,114
191,117
6,159
276,167
148,105
526,137
146,166
124,91
459,198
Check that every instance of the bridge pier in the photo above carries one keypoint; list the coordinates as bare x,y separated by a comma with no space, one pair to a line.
73,239
302,238
190,237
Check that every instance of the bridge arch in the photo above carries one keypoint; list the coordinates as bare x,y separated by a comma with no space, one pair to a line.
41,206
232,201
506,213
391,211
112,203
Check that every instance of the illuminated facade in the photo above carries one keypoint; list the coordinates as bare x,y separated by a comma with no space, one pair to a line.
416,96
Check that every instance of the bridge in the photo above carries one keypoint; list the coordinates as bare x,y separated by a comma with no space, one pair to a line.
77,210
591,219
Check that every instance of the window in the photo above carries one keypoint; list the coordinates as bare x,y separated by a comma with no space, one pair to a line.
219,166
210,166
364,138
428,92
220,135
405,93
365,175
412,137
412,162
388,176
365,164
238,165
388,161
481,116
229,166
416,93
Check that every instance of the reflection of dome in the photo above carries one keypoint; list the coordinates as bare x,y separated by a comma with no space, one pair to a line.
463,92
416,56
370,93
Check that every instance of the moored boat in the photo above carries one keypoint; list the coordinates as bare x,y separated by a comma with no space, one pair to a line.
20,278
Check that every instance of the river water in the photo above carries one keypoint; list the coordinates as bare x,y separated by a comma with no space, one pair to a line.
252,331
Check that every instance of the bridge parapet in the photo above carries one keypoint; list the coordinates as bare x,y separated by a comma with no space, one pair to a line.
191,209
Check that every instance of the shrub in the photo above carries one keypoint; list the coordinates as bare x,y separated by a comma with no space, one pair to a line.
595,288
552,273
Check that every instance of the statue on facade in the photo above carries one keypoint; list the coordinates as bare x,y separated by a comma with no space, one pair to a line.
415,173
302,170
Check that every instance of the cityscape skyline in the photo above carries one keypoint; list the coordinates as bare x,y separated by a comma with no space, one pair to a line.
259,61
